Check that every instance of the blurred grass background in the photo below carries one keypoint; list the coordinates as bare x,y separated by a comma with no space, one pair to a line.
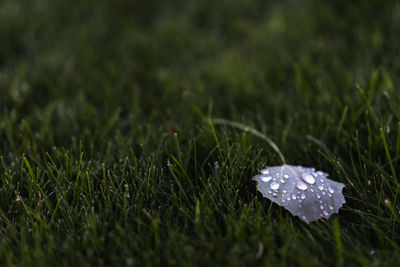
106,158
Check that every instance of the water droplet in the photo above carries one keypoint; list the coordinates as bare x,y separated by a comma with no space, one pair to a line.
293,196
266,178
320,173
274,186
320,187
321,207
288,198
326,213
308,178
282,181
286,176
302,186
284,191
318,196
303,196
331,207
330,189
314,174
323,193
265,171
372,252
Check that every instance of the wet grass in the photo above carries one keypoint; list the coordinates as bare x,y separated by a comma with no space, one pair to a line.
107,157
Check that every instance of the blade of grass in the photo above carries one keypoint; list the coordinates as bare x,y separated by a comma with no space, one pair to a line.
388,156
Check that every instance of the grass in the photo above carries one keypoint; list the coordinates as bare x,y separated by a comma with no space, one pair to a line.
107,158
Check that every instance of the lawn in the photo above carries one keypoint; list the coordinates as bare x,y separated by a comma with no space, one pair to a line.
108,155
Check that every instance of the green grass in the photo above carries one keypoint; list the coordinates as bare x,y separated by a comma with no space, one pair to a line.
107,158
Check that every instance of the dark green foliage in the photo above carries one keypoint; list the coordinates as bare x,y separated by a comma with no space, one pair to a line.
106,157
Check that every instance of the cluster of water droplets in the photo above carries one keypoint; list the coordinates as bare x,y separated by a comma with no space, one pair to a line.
305,192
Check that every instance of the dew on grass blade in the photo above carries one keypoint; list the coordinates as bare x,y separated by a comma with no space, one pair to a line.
301,193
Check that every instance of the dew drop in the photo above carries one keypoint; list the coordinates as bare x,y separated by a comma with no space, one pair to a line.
314,174
326,213
372,252
321,207
308,178
286,176
265,171
331,207
266,178
320,173
320,187
283,181
323,192
284,191
293,196
302,186
303,196
330,189
318,196
274,186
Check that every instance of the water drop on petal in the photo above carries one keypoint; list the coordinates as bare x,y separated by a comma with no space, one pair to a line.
302,186
308,178
330,189
266,178
265,171
274,186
